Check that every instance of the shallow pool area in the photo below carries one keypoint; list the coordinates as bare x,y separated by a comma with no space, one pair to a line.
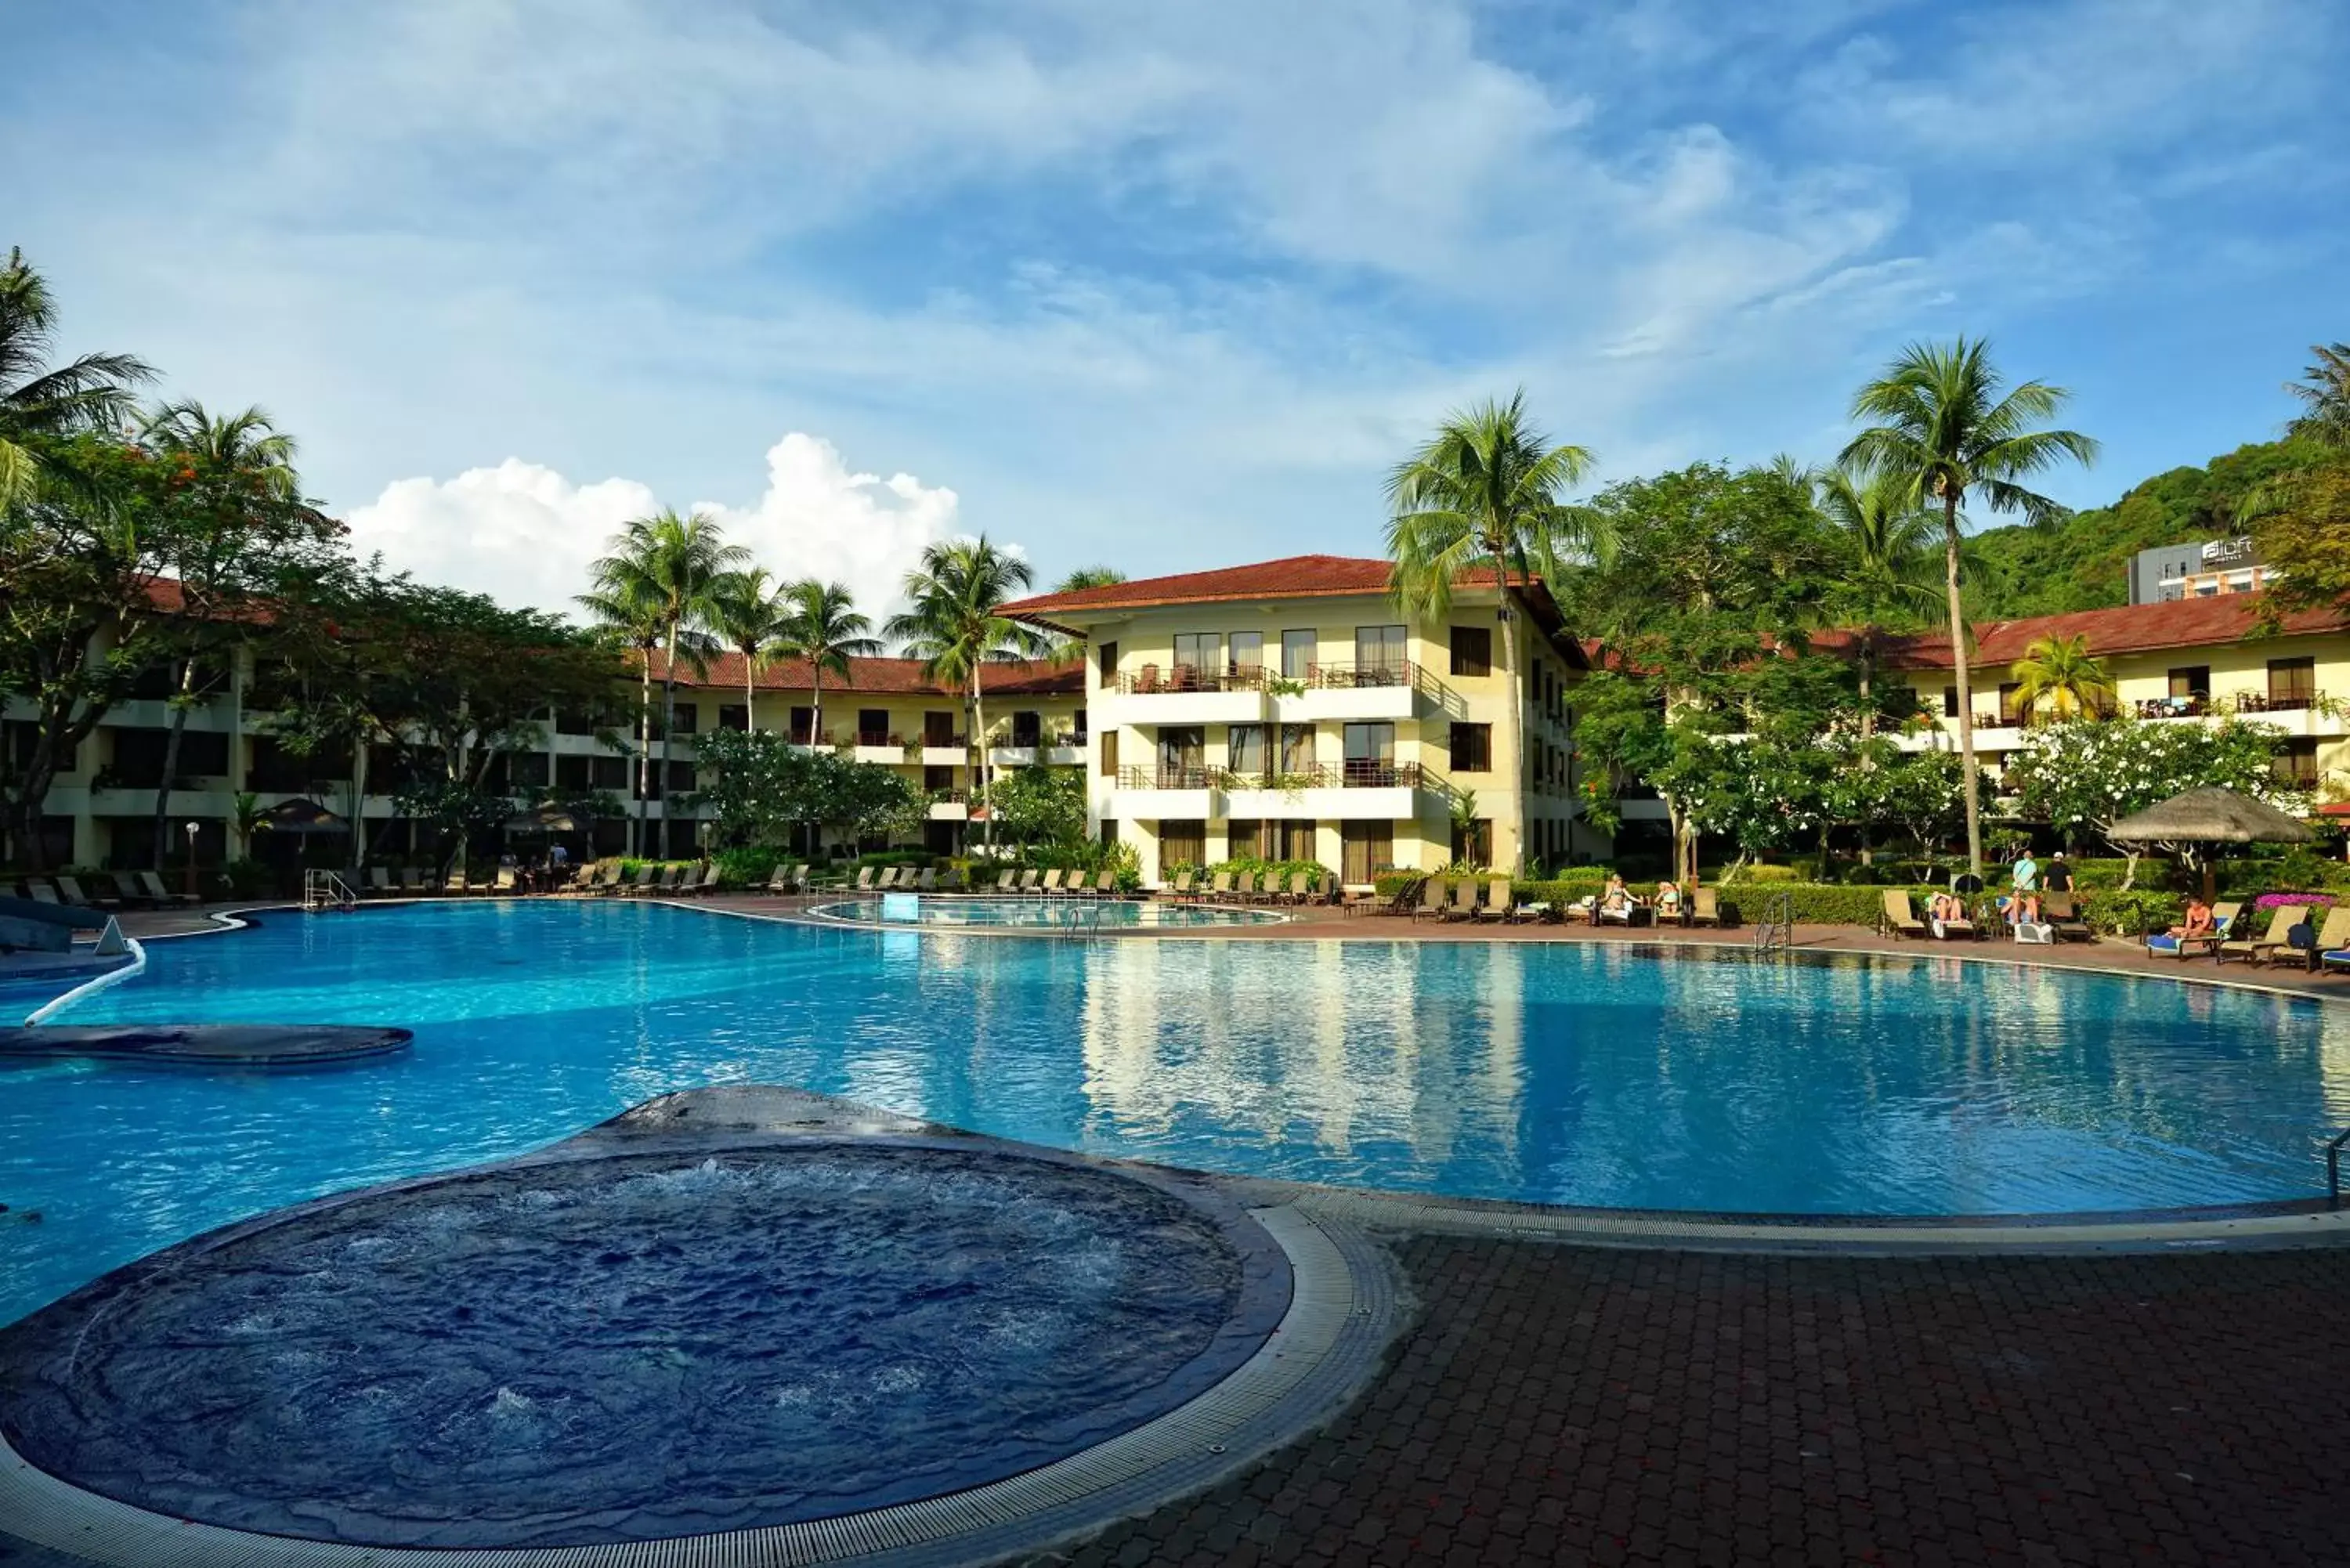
642,1345
1570,1072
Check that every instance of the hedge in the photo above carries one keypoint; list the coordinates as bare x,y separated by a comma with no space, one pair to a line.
2111,911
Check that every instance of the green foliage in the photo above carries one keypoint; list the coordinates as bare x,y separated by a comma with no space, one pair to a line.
2131,912
1282,870
2086,774
764,787
2304,531
1036,807
2082,561
746,865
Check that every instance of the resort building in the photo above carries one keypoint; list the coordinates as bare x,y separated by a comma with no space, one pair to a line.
2185,661
1290,709
2169,573
101,811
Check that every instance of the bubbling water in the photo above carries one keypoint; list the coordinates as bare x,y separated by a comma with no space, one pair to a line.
632,1348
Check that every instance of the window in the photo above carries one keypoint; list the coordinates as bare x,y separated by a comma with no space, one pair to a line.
1106,657
571,774
681,778
1472,651
937,777
1472,748
528,770
1296,655
733,716
2191,681
2296,765
1296,840
873,726
1246,835
2007,713
1078,727
1949,701
573,721
1199,655
1379,654
1365,849
1296,749
610,773
1182,758
938,729
2292,682
684,719
1109,753
1245,748
1108,832
1370,755
1247,655
1181,842
803,720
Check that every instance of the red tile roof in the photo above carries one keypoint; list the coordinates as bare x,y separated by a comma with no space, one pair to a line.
885,677
1290,577
2131,628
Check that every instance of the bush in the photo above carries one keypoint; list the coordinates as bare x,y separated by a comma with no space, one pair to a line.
2133,913
249,878
1761,873
746,865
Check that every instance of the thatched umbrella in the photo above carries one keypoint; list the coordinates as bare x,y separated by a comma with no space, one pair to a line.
548,818
2185,823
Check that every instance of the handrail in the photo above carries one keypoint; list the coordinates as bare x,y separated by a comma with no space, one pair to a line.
1773,931
322,889
2334,1168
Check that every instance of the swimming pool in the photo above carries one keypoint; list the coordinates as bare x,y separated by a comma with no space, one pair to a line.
1566,1072
1058,913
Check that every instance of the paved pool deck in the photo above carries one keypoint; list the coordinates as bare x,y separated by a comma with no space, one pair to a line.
1556,1403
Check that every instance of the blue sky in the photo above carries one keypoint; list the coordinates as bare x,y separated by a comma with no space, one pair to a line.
1161,286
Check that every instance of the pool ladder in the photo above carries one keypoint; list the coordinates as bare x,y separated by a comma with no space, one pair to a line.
1774,931
323,889
1085,921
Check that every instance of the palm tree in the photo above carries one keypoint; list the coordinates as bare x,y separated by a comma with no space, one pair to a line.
37,401
2325,392
1942,429
661,586
231,470
820,622
1886,541
2062,669
746,616
1089,577
1485,493
953,627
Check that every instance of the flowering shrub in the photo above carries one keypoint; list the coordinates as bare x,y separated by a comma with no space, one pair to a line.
2277,900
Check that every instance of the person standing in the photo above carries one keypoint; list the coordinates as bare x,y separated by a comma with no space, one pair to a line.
2026,905
2059,877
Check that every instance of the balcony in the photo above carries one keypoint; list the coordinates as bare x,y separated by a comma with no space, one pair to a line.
945,751
2193,706
950,806
1167,792
1065,750
1357,789
879,746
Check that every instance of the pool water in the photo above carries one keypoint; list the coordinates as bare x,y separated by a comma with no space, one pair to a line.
1080,914
1563,1073
637,1346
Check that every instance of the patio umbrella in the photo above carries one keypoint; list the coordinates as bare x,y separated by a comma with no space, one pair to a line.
543,819
299,815
2207,815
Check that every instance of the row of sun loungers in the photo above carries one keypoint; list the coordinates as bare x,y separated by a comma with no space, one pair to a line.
1244,888
120,890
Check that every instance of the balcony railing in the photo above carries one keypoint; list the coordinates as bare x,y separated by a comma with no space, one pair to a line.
879,738
1346,676
2190,707
1151,680
2280,701
1337,676
939,743
1359,772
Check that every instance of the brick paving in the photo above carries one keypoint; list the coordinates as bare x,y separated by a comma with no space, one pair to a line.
1554,1403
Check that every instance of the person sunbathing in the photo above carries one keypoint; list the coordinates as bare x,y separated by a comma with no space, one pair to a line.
2198,922
1946,906
1668,899
1618,895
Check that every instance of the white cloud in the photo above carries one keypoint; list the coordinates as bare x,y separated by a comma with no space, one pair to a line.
524,534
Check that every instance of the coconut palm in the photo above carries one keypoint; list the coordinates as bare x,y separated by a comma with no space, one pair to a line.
230,472
748,611
39,400
1486,494
1886,543
953,627
2061,670
820,623
2325,393
1938,426
660,587
1089,577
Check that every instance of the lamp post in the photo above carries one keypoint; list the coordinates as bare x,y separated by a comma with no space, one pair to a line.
191,882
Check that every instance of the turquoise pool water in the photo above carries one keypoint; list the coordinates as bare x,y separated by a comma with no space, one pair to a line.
1569,1072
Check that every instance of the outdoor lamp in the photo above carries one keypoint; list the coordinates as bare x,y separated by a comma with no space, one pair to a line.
190,887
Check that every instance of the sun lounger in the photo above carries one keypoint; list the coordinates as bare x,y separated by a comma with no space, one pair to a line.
163,895
2330,950
1623,911
1028,880
1464,906
70,889
2162,944
929,880
1900,919
1499,905
865,880
504,883
126,889
41,893
455,881
380,881
1179,889
647,877
2254,949
1705,907
1428,898
2063,915
1051,883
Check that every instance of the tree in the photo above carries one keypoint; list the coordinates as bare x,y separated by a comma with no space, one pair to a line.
2061,671
1039,806
766,790
2089,774
1883,541
662,582
820,623
1486,493
2325,393
2303,534
233,506
1943,429
746,616
1088,577
42,404
955,629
